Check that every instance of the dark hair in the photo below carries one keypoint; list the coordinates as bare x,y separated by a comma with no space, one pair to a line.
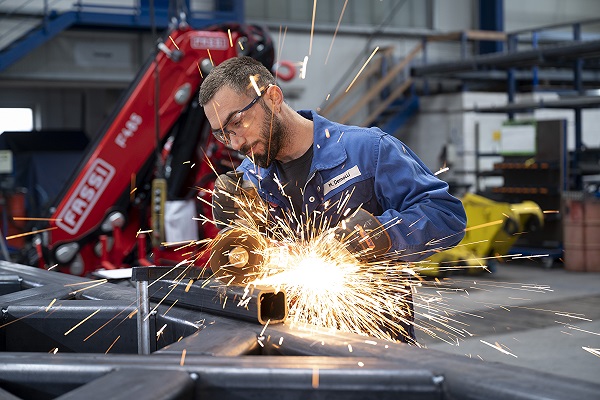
235,73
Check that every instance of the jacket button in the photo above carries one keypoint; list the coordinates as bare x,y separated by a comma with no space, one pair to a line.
319,188
311,199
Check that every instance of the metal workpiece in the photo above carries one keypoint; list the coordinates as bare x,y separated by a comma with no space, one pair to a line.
9,283
69,326
41,293
461,377
222,337
129,383
195,288
255,303
226,377
196,354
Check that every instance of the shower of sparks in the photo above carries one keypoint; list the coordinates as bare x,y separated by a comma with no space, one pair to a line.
595,352
315,378
499,348
160,331
30,233
329,288
133,187
230,39
312,26
96,283
19,319
169,309
182,361
81,322
174,44
200,70
113,318
264,328
50,305
112,344
361,70
37,219
441,170
303,68
254,85
281,41
336,31
570,315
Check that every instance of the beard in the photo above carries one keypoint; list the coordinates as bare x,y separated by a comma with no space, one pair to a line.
273,136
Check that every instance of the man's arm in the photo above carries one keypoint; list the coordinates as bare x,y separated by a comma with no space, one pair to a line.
419,214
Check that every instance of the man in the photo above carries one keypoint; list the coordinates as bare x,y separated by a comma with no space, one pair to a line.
382,200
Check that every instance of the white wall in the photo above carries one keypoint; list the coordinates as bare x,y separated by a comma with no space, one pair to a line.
526,14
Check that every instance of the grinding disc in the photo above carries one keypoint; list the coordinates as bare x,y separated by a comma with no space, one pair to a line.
236,254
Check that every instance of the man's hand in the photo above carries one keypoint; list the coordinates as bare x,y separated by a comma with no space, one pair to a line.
235,198
364,236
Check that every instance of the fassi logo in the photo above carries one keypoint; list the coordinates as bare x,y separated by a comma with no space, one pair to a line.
85,196
209,40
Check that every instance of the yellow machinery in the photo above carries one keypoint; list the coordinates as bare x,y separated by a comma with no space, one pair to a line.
492,229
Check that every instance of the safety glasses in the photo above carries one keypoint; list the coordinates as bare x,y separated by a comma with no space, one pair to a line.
223,135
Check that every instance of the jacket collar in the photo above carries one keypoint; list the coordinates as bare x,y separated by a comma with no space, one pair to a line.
328,151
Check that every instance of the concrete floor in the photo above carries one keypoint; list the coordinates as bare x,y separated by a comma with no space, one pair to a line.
523,314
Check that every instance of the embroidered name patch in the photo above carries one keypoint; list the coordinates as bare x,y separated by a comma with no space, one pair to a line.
341,179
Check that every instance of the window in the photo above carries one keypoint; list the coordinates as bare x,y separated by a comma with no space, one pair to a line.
16,119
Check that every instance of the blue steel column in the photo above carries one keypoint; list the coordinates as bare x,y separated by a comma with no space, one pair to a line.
535,68
234,6
491,18
577,70
510,76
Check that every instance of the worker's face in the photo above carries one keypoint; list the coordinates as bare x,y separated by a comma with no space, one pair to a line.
245,125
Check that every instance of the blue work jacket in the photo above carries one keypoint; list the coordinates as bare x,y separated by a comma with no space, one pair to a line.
365,167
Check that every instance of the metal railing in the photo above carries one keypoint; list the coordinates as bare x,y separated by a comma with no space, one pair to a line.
20,19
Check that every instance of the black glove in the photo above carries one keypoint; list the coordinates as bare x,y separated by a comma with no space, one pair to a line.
363,235
235,198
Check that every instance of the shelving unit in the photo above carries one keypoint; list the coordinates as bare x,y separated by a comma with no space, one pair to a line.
540,177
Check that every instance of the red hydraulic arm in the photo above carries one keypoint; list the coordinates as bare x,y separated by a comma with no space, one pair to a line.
109,174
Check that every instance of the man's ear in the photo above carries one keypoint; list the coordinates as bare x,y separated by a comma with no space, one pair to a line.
274,97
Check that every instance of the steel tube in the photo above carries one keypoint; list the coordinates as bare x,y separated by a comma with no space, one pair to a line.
256,304
260,304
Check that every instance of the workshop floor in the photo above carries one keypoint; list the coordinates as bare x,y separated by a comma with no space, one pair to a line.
525,315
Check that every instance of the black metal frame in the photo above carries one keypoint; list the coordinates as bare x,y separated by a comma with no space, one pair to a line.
203,355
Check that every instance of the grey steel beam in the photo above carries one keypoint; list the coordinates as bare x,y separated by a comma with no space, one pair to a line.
539,56
135,384
226,378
